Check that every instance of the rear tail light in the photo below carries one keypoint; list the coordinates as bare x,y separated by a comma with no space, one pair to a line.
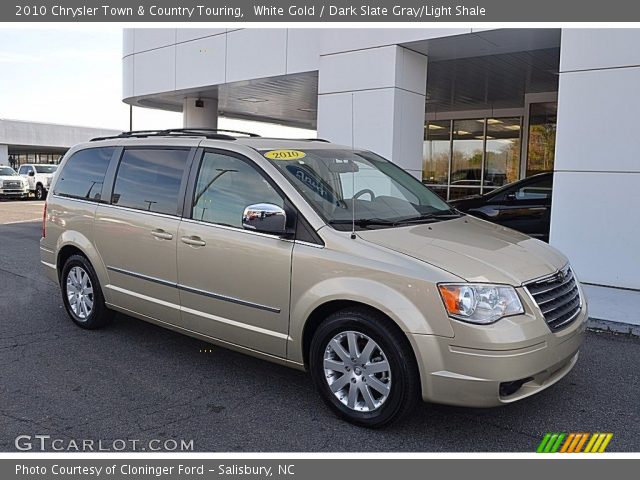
44,221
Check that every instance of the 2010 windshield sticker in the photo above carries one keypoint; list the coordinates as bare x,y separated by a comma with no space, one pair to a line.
285,154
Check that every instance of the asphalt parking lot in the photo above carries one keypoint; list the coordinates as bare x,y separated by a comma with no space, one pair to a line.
134,380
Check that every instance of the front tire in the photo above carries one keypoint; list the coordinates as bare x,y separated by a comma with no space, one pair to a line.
364,368
82,295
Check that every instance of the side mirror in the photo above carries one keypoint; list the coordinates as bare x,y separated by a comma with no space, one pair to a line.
511,197
31,173
265,218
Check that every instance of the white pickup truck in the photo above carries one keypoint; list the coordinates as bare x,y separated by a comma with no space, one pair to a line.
11,184
39,177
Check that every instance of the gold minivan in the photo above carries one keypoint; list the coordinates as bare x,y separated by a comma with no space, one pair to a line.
315,256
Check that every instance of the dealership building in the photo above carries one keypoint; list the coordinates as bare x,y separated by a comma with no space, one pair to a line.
464,110
32,142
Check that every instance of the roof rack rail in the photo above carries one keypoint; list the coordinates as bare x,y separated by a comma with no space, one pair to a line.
211,133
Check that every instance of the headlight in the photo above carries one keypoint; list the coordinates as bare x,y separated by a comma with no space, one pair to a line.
478,303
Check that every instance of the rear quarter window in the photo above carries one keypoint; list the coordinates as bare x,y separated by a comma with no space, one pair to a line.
83,174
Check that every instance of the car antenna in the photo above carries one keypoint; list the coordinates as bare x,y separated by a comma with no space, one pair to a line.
353,204
353,183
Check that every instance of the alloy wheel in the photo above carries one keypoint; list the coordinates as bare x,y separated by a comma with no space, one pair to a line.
357,371
80,292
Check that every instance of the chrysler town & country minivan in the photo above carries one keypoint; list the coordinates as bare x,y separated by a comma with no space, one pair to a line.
316,256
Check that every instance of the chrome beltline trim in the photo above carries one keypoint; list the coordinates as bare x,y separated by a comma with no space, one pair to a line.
235,229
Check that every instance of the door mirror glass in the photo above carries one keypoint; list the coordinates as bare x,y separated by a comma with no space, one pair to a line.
31,173
265,218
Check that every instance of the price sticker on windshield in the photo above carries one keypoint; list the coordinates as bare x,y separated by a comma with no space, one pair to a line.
285,154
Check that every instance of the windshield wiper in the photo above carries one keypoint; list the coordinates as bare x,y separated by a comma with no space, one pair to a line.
424,218
431,217
364,222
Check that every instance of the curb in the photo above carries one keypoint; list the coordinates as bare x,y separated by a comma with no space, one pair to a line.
608,326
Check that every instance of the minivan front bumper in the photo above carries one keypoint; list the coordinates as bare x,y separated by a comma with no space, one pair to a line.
485,366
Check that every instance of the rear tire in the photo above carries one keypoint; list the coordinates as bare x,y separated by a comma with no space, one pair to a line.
82,295
363,368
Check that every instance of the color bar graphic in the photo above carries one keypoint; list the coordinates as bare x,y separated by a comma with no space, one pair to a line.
554,442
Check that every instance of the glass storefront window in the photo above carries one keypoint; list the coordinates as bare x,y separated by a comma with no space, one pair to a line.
477,164
436,151
502,164
17,159
542,137
466,162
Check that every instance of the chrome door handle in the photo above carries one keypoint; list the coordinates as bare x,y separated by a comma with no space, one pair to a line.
195,241
161,234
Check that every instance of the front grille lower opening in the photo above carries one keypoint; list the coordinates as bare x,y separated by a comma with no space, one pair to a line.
509,388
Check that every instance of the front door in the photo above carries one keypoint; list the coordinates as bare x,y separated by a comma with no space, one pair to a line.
28,173
137,233
234,283
528,208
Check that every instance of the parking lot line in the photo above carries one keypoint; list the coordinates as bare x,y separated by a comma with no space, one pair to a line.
37,219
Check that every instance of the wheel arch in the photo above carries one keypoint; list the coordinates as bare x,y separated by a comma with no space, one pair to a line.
72,242
328,308
65,253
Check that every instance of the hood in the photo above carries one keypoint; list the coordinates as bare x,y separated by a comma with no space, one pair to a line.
10,177
472,249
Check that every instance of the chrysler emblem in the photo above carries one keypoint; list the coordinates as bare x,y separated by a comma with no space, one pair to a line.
561,276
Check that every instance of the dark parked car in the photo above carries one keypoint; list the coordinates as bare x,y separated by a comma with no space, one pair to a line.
524,205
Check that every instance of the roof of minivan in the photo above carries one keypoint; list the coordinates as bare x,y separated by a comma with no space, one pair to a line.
257,143
262,143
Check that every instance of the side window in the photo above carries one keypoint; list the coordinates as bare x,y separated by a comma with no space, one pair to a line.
227,185
540,190
83,174
149,179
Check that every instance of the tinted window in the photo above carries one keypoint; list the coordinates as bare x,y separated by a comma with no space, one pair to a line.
7,171
226,186
46,168
83,174
149,179
540,190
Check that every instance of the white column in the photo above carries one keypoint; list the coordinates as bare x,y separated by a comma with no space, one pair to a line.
375,99
200,113
596,196
4,155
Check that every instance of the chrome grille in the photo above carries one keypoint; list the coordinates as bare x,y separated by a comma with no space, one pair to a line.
558,298
12,184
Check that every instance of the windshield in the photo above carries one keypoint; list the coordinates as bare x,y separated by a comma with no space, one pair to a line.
46,168
335,182
7,172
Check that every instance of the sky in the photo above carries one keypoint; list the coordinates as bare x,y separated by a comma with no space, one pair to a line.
72,75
